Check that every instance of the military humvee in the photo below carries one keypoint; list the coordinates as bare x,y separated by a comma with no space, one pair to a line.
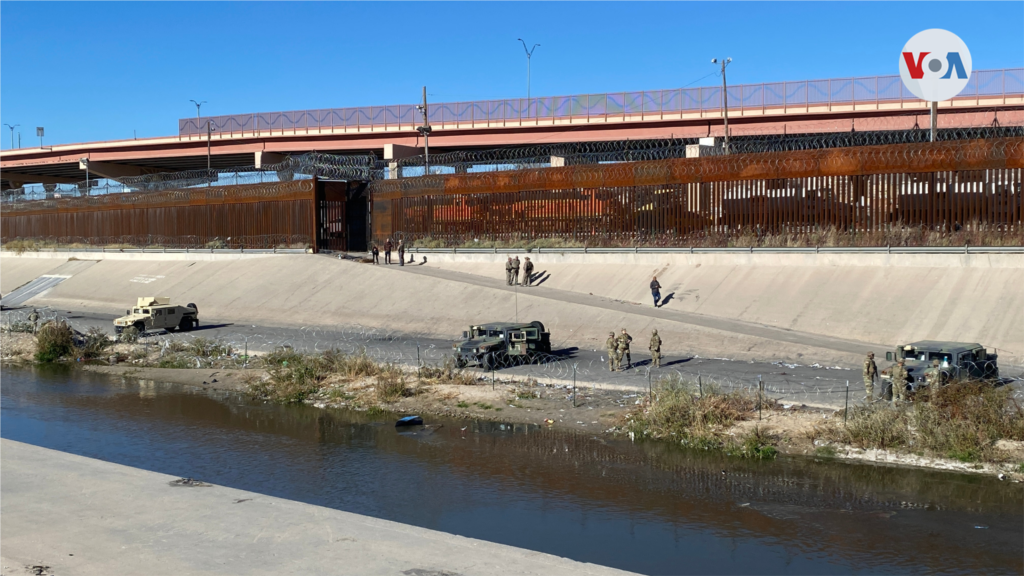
152,313
956,360
499,343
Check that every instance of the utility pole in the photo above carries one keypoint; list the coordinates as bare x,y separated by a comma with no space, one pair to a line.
725,101
425,130
12,132
209,130
529,57
40,131
935,118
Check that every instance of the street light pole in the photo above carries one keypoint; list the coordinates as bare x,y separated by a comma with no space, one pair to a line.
12,132
725,101
199,120
208,137
529,58
425,130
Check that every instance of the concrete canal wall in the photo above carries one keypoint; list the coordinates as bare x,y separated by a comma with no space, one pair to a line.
82,516
827,307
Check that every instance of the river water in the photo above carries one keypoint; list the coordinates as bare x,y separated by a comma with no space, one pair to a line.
649,507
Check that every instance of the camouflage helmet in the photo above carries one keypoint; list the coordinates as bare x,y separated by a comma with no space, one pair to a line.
935,362
654,332
611,334
871,354
902,361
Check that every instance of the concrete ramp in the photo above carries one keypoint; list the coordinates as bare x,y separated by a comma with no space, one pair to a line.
32,289
44,283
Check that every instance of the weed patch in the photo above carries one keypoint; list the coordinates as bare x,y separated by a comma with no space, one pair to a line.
390,384
54,341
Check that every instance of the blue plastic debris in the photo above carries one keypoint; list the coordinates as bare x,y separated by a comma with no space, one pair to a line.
409,421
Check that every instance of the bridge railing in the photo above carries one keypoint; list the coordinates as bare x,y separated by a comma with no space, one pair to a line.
816,95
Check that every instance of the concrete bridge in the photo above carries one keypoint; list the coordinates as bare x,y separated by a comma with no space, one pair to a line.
810,106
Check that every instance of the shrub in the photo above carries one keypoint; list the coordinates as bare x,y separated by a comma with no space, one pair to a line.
447,372
756,444
390,384
176,361
129,335
55,340
680,412
207,348
281,356
93,343
965,419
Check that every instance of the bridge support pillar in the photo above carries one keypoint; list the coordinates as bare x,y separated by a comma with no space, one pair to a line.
394,152
264,158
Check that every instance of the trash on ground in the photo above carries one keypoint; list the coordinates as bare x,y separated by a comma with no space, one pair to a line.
409,421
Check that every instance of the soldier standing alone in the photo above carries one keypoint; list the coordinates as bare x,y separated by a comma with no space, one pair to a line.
515,270
527,272
870,371
34,319
612,345
624,340
655,348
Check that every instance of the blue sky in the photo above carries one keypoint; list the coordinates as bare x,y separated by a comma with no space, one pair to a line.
98,71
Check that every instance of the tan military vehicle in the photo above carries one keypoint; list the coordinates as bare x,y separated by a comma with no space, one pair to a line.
154,313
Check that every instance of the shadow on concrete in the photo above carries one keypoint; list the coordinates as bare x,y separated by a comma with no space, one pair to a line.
668,297
541,278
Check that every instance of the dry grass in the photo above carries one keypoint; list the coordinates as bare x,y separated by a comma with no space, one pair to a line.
680,413
447,372
962,421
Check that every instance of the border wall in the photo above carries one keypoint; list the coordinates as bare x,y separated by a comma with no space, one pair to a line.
940,185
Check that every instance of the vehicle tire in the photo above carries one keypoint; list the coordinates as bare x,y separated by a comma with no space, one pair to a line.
185,325
141,327
193,306
488,361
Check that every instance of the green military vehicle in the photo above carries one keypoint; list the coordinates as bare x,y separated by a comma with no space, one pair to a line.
956,360
152,313
502,343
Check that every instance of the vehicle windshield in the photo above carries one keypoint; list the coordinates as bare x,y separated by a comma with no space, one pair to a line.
137,311
925,356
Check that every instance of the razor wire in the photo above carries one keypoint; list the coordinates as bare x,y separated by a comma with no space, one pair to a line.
363,167
549,374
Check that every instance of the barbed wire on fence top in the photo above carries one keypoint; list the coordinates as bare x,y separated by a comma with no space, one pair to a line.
311,164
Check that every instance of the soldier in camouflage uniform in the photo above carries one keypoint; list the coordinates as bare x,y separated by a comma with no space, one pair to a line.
624,340
870,372
655,349
899,382
508,271
34,319
612,346
934,378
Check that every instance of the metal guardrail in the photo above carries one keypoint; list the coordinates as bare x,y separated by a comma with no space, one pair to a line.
750,250
176,250
654,103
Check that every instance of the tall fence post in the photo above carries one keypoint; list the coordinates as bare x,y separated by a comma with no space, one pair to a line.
846,411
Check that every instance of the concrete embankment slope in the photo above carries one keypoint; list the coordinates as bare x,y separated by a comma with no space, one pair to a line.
887,298
308,290
83,516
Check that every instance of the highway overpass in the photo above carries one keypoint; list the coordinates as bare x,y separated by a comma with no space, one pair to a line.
811,106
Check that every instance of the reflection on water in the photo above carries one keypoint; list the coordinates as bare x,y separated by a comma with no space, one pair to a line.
649,508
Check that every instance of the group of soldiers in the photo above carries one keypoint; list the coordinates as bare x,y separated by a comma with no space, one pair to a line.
512,271
388,247
899,375
618,348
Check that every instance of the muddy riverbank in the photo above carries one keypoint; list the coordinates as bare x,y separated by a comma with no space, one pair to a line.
595,411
